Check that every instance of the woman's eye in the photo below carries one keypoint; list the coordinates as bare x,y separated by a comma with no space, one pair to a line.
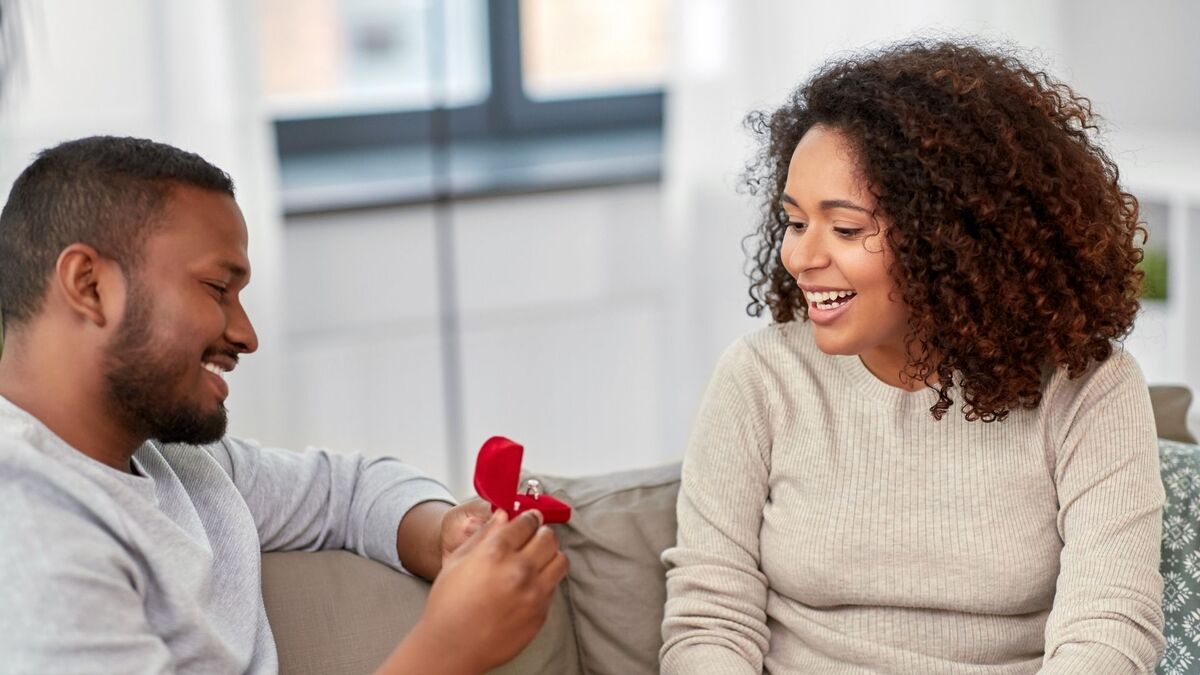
848,231
796,225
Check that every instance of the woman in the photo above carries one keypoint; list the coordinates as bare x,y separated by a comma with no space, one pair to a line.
936,460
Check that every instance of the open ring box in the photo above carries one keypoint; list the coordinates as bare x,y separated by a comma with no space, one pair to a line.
497,473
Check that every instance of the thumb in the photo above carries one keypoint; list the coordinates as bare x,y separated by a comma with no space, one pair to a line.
482,532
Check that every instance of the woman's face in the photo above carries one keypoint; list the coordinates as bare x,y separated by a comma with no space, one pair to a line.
836,251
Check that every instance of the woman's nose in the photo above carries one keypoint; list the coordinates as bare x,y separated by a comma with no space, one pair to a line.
807,252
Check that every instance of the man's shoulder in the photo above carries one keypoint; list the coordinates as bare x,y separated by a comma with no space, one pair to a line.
42,494
56,524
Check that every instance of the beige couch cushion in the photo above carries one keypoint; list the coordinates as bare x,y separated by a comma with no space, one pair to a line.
334,613
617,584
1171,405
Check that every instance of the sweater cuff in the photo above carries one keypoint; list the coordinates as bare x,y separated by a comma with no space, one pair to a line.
1088,658
389,509
705,658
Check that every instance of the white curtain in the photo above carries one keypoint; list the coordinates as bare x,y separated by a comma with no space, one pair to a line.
183,72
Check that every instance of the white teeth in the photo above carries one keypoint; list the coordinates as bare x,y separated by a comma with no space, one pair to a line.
822,297
214,368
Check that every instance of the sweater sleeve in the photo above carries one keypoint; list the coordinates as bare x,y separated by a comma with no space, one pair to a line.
715,616
1107,615
317,499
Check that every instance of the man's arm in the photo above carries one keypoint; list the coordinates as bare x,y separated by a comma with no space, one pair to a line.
314,500
418,538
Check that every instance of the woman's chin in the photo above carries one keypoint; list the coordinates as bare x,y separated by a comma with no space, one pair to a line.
834,345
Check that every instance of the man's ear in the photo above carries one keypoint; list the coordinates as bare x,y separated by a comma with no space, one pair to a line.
91,285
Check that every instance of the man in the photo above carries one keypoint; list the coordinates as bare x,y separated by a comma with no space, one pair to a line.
132,527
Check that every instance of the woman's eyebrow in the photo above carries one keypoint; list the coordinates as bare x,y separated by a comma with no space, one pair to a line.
828,204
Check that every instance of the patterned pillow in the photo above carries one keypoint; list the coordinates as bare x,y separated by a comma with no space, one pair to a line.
1181,557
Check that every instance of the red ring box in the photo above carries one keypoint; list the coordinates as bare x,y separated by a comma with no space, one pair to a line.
497,472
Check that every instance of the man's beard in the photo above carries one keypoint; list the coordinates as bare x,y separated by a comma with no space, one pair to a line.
143,381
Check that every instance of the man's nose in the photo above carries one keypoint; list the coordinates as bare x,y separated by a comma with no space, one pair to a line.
240,332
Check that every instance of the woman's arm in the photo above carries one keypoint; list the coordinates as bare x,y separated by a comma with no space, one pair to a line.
1107,615
715,618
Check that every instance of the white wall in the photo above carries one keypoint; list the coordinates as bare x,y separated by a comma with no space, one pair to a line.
562,302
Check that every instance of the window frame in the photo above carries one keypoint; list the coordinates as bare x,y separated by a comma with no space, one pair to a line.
507,113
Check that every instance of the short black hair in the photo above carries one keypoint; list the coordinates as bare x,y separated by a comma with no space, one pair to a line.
104,191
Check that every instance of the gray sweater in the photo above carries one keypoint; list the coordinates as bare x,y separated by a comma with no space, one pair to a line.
107,572
828,524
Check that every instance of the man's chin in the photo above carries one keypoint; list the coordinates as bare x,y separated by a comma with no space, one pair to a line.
192,428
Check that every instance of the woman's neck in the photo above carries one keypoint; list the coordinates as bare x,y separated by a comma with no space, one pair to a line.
888,363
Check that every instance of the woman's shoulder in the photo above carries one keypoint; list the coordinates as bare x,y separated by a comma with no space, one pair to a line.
1117,373
1112,390
777,344
778,358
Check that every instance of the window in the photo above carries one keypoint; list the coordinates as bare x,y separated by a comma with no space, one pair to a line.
347,57
584,48
348,76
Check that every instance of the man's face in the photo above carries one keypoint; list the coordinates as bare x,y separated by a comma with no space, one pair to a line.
183,324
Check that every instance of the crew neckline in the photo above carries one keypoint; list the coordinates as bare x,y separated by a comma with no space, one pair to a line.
878,390
140,479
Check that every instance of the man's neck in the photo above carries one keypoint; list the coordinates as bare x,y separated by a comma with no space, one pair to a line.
59,393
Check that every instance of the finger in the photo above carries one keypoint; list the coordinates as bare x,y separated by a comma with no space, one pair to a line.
474,524
540,549
519,530
477,508
485,532
554,571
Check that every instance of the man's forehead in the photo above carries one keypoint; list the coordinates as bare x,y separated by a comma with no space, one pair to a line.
202,227
197,211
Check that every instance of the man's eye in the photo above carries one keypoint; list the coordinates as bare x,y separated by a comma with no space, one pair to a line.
219,290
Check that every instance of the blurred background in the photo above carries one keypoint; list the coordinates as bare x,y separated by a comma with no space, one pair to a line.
521,217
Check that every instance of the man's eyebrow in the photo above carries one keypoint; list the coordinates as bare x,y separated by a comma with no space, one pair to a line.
234,269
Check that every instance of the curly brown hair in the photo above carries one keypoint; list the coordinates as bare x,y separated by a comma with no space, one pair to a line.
1015,248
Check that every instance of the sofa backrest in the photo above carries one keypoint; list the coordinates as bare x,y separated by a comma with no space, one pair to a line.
616,588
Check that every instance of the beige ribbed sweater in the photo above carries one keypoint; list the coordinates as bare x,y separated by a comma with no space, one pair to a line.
828,524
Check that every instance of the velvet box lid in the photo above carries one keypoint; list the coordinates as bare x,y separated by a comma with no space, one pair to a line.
497,473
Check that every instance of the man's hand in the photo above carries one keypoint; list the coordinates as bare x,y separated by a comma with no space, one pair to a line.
430,531
489,601
460,522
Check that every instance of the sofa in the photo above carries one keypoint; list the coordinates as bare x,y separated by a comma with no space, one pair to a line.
334,613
